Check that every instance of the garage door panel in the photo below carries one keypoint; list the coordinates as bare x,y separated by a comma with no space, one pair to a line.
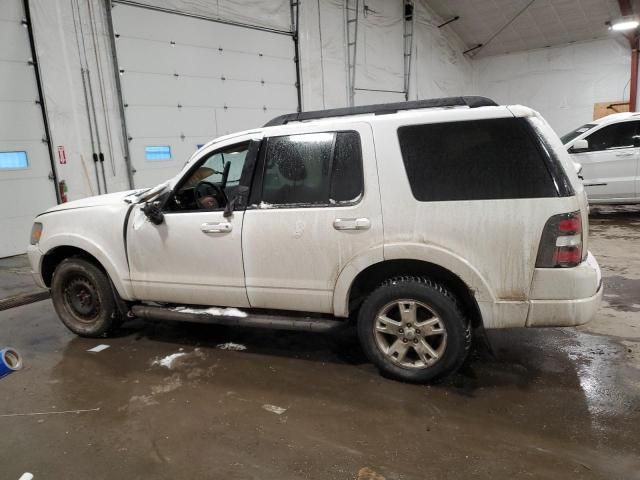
18,82
152,172
14,42
25,188
143,89
11,10
35,150
24,122
144,56
217,66
202,92
198,121
233,120
166,27
153,122
249,95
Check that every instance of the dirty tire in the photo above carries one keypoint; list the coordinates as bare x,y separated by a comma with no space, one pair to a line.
435,308
83,298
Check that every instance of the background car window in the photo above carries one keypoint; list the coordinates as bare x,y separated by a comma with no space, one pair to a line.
619,135
314,168
566,138
475,160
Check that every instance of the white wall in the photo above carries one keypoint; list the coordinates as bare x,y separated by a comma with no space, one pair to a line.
562,83
438,66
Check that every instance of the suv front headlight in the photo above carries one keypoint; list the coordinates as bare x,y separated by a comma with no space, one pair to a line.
36,233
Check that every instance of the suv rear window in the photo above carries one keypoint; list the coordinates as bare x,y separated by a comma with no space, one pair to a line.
476,160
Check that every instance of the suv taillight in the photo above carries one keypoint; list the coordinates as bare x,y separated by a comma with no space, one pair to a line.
561,242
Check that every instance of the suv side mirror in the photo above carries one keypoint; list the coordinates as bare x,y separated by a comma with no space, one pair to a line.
581,145
153,212
636,140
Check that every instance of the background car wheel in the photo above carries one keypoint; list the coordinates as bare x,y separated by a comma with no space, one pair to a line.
413,330
83,298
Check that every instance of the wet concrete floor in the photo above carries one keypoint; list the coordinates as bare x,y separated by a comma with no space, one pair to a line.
541,403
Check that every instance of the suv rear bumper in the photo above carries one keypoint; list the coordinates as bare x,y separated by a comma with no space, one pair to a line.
563,313
565,297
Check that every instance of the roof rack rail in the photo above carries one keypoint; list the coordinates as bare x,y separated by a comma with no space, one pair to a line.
384,108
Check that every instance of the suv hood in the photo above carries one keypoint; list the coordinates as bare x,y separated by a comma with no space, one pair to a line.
97,201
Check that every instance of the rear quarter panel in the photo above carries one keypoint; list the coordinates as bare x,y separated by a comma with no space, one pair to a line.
492,244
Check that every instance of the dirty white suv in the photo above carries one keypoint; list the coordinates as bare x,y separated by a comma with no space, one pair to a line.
418,221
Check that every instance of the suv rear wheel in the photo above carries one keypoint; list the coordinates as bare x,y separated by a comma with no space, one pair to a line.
83,298
413,330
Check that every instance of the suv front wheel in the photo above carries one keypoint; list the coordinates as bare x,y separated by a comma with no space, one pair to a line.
413,330
83,298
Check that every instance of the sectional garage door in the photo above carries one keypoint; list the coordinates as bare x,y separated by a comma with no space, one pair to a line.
187,80
25,165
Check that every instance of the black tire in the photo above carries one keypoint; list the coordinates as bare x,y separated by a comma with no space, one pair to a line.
451,343
84,299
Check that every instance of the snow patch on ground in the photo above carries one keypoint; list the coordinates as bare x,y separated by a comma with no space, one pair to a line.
232,346
169,360
274,409
218,312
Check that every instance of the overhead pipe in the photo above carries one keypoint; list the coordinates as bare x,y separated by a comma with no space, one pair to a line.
633,89
626,9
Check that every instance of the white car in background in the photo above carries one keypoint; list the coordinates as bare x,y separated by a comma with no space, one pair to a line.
608,149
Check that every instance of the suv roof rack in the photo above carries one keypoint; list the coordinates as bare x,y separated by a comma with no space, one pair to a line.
384,108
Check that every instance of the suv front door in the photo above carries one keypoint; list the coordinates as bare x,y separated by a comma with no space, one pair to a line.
610,164
316,206
194,256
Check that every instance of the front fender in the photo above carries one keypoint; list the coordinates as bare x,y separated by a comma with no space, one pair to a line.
97,231
118,273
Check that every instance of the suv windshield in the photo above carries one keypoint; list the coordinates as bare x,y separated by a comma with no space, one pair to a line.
576,133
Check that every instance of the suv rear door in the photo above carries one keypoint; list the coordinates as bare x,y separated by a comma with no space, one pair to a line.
610,164
316,205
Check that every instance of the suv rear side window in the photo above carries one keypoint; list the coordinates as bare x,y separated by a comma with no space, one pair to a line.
476,160
619,135
312,169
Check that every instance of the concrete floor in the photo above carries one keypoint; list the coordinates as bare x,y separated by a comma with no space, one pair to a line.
15,277
552,403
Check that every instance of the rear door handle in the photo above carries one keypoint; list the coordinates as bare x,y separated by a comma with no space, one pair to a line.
221,227
352,224
625,154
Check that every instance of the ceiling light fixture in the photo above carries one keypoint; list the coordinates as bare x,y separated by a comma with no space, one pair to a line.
623,24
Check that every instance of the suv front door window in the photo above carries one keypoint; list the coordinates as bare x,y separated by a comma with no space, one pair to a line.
213,182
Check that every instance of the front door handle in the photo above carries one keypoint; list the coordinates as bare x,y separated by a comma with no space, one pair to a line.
625,154
221,227
352,224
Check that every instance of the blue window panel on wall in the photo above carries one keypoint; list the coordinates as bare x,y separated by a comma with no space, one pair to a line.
13,160
157,152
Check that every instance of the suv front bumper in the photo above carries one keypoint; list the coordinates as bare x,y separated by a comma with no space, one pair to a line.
565,297
35,258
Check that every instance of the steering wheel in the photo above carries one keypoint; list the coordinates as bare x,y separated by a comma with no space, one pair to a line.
209,196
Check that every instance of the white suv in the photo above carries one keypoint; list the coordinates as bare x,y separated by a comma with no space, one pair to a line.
609,151
416,220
